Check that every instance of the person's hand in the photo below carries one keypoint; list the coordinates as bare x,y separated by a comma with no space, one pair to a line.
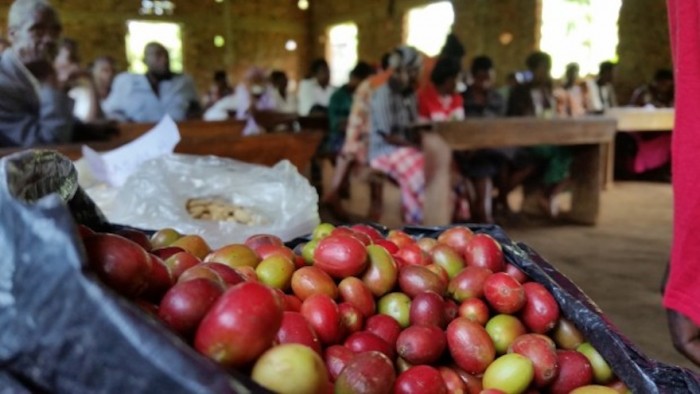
68,73
685,335
398,140
44,72
98,131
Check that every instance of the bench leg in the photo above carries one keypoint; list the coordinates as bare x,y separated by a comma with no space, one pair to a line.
586,179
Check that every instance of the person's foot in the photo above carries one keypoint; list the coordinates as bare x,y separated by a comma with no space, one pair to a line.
502,208
550,206
335,208
509,219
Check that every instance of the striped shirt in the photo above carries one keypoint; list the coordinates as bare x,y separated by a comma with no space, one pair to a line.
391,112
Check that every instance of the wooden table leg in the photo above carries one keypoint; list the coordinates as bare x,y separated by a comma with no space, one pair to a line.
608,168
586,177
437,208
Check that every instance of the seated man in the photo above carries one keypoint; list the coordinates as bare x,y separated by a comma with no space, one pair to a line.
394,110
657,94
149,97
34,110
4,44
396,144
315,91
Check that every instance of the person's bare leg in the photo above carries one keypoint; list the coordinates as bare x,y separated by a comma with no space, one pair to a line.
685,335
483,212
376,199
502,184
438,169
341,172
551,202
518,177
332,197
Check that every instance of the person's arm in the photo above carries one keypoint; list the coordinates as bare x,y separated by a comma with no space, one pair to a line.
423,106
496,104
52,125
685,335
384,120
55,123
265,111
194,108
613,96
113,106
220,109
87,103
514,107
637,99
305,97
381,114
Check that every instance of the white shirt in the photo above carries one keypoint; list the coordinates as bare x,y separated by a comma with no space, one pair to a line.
281,104
132,98
239,102
599,98
311,93
220,109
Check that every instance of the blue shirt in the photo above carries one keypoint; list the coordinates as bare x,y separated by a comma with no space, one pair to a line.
30,113
132,98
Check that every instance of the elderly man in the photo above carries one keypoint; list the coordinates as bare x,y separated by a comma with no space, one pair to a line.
149,97
34,110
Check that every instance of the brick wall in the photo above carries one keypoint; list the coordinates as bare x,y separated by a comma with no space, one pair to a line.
644,44
255,32
643,29
478,24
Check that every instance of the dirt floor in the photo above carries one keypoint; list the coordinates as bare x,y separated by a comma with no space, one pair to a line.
619,263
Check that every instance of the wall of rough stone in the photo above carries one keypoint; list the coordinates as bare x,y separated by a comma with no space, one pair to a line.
480,24
644,43
256,31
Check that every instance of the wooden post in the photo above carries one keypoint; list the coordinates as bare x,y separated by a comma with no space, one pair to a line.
586,178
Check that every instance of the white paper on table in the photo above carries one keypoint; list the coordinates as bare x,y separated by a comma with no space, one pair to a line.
114,167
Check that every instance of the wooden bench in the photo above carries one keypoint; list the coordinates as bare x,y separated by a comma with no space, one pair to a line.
590,136
224,138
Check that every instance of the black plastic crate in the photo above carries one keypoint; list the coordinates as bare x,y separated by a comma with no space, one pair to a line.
61,330
640,373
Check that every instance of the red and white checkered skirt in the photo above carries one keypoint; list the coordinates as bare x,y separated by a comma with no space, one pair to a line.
405,165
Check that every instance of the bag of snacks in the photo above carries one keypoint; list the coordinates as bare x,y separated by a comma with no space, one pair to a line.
223,200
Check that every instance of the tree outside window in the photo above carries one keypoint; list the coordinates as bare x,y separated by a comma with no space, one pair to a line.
579,31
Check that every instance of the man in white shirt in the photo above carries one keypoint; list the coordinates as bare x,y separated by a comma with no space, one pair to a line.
278,93
315,92
600,93
149,97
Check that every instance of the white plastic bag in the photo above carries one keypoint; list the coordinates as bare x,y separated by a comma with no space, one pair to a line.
155,197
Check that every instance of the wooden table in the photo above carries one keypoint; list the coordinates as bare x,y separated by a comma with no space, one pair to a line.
636,120
224,138
589,137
